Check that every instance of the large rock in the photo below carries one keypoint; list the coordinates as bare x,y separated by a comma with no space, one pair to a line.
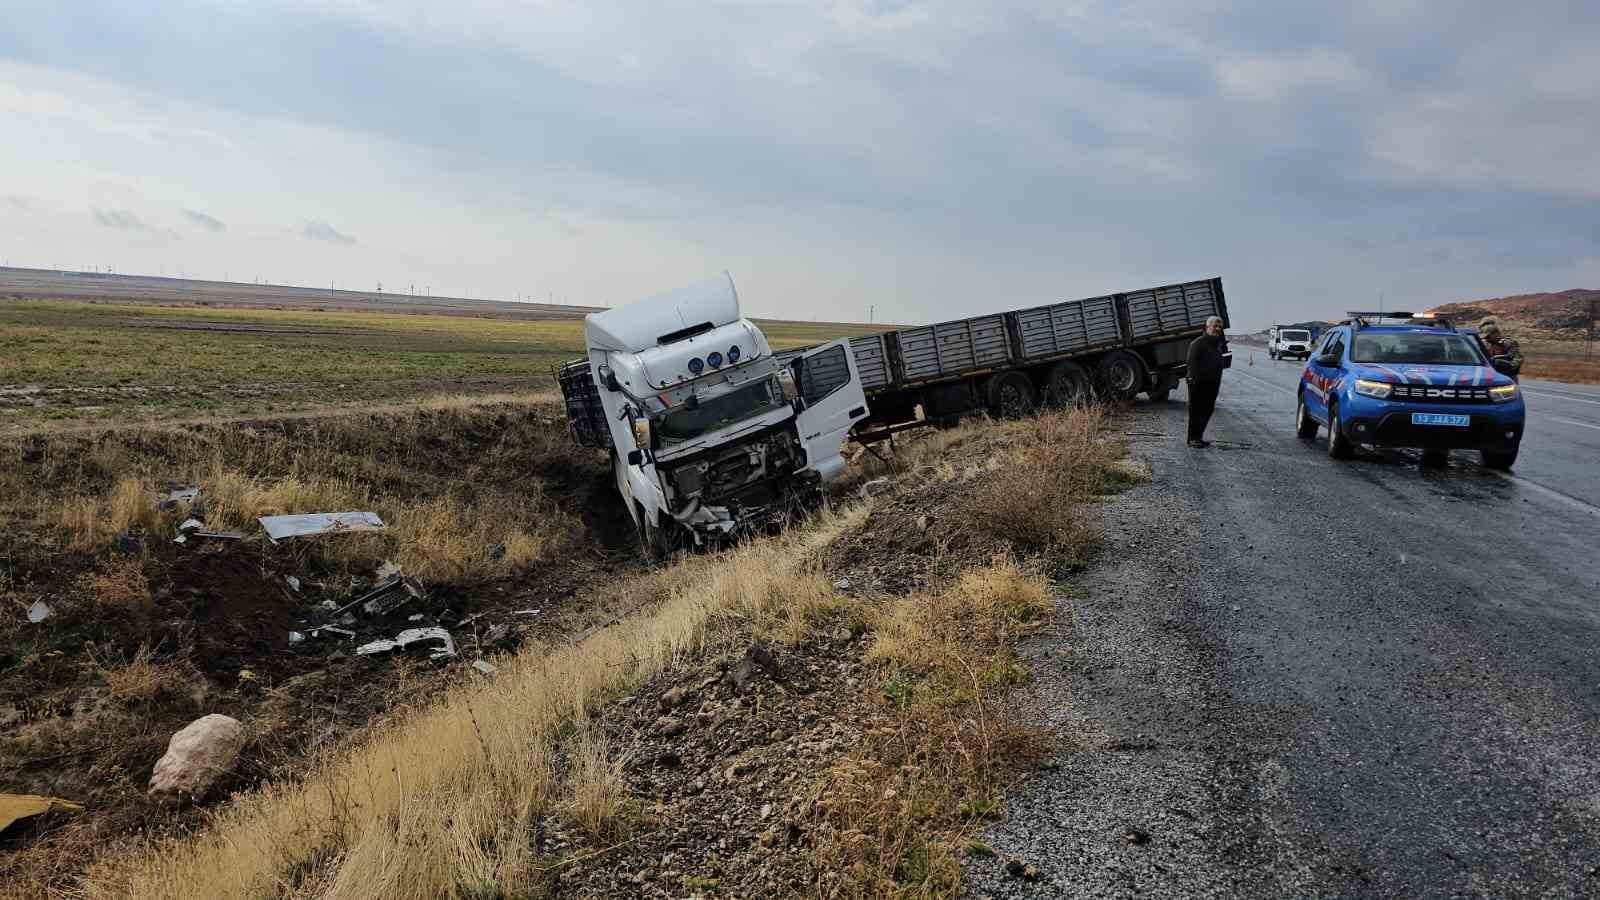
196,757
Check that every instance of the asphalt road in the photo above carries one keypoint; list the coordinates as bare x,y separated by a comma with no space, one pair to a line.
1292,676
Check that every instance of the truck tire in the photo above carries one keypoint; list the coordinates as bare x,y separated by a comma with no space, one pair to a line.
654,542
1305,427
1067,384
1011,395
1339,446
1499,461
1121,375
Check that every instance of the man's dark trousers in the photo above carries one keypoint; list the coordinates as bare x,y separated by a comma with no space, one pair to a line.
1202,402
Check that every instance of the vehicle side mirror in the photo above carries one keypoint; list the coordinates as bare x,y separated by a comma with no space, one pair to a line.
635,457
1328,360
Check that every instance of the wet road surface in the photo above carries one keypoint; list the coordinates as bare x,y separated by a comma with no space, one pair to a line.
1292,676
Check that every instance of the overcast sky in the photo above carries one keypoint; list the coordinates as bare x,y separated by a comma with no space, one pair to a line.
931,159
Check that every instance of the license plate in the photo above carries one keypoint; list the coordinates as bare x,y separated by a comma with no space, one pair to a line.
1439,419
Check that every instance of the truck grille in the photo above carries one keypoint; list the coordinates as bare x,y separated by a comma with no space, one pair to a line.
1440,393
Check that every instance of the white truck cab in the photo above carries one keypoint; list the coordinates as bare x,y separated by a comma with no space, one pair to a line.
1286,342
709,433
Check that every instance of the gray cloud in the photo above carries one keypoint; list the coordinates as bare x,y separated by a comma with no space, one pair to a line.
209,223
1028,142
322,231
120,218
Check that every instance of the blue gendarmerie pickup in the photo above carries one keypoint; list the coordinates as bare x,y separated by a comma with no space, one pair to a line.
1419,384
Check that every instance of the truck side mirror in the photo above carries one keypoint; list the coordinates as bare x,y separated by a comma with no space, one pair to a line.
635,457
1328,360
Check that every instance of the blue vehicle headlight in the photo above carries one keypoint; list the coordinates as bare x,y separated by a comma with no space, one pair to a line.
696,366
714,359
1504,393
733,354
1378,389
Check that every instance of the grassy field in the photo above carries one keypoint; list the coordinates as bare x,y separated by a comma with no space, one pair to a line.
72,362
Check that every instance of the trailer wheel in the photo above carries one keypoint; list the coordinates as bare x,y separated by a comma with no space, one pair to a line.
1121,374
1066,385
1011,395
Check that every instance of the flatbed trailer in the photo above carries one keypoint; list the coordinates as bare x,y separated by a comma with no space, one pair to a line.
1006,364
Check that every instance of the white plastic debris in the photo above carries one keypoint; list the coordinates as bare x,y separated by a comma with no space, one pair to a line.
282,527
39,611
412,636
296,637
294,583
191,525
525,612
484,666
414,617
387,570
182,495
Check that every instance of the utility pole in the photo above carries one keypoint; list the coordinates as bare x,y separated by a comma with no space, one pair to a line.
871,311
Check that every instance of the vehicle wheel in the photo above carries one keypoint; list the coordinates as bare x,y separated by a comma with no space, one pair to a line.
1121,374
1066,385
1435,459
1011,395
1304,425
1339,446
1501,461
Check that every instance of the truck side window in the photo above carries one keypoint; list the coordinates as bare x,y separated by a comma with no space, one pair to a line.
823,373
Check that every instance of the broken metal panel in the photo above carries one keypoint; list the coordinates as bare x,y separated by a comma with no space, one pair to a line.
412,636
39,611
282,527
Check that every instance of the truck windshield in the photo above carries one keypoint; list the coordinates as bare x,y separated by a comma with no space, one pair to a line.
1294,335
1415,347
685,424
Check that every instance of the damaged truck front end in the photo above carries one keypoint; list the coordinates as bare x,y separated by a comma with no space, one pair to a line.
710,435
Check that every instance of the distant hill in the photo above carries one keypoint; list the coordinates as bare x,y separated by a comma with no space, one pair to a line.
1562,316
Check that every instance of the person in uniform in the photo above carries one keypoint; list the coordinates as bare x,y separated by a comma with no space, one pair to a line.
1205,379
1500,346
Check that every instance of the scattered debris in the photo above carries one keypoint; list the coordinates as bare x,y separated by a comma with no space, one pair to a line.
415,617
525,612
296,637
758,657
386,600
181,495
282,527
39,611
484,666
293,582
191,524
412,636
246,676
497,634
196,757
334,629
15,807
842,584
387,570
876,486
1016,868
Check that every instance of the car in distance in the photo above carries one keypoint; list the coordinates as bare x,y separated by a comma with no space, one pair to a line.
1415,383
1288,342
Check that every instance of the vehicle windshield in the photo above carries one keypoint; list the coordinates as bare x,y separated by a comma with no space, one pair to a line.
1294,335
1417,347
685,424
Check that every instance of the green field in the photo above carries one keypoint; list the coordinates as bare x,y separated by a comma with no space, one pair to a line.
65,363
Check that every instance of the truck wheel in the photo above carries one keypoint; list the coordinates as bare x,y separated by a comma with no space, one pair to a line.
1339,446
1011,395
1066,385
1304,425
654,543
1500,461
1121,374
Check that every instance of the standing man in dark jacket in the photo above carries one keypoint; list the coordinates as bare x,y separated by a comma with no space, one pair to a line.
1205,379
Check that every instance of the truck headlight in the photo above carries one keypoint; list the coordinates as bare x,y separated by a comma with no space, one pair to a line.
641,433
786,381
1503,393
1378,389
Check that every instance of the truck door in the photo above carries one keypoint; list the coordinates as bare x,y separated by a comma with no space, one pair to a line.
832,400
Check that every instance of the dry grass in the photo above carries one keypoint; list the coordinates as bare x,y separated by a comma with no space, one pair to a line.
1571,369
142,678
898,809
595,790
435,805
89,521
120,582
1055,462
